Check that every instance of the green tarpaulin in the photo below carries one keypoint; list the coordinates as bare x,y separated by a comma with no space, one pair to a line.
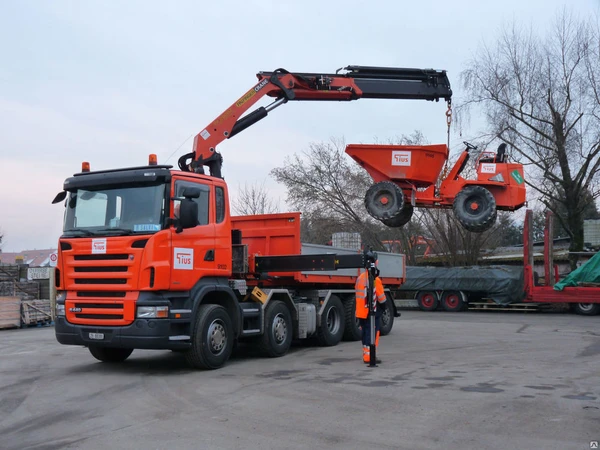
587,272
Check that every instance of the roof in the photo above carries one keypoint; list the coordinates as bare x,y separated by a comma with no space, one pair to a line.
34,258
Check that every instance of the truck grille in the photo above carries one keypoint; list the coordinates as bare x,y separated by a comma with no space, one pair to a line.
101,311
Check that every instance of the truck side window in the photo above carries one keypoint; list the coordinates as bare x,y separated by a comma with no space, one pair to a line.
220,201
203,200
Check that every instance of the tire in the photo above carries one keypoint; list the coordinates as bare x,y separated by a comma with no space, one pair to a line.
428,300
452,301
277,338
384,200
387,318
331,330
110,354
401,219
212,341
475,208
352,331
587,309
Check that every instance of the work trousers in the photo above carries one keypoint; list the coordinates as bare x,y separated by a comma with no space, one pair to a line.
365,324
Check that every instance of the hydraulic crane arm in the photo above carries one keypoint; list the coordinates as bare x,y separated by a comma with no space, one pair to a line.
357,82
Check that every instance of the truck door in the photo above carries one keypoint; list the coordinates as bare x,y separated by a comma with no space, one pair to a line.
193,249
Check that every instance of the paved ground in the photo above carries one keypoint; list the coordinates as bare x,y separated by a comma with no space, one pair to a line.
453,381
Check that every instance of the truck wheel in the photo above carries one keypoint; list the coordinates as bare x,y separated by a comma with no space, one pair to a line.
212,341
475,208
427,300
384,200
587,309
387,317
277,338
331,330
452,301
352,331
109,354
401,219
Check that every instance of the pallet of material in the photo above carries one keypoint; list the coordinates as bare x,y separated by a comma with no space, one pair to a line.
35,312
10,312
9,272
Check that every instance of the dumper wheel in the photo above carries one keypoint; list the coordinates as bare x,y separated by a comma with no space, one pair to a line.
109,354
401,219
475,208
352,331
384,200
212,342
331,330
278,334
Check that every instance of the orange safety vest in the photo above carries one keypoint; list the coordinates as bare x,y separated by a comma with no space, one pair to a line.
362,309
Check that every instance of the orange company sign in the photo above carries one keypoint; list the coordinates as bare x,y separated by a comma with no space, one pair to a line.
401,158
183,258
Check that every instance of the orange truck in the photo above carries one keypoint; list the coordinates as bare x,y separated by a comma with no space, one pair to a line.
151,258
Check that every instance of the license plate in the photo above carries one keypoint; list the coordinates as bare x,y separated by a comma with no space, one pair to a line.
97,336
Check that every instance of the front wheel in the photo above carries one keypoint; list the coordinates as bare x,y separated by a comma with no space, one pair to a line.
475,208
384,200
110,354
587,309
212,342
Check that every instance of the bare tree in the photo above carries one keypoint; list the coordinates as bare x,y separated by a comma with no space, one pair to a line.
541,96
254,199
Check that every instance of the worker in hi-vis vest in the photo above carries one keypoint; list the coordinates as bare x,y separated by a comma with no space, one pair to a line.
362,310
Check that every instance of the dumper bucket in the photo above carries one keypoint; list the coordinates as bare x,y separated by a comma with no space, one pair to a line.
417,164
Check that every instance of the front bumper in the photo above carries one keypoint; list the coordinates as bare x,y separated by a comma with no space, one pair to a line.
142,333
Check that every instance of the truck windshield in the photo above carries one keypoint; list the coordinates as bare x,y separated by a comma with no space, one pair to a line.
115,210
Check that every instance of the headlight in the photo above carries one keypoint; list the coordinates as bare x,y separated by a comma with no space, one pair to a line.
152,312
60,309
61,295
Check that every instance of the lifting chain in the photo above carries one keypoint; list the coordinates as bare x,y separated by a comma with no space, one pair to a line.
448,122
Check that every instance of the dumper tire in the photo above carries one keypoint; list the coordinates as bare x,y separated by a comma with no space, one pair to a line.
401,219
277,338
212,341
387,316
384,200
586,309
475,208
427,300
110,354
352,331
331,329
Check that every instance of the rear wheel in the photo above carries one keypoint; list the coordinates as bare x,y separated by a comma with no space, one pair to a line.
452,301
352,331
401,219
212,342
110,354
387,317
587,309
331,330
384,200
475,208
277,338
427,300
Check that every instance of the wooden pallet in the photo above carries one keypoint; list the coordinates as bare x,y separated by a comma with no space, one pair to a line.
10,312
36,312
492,306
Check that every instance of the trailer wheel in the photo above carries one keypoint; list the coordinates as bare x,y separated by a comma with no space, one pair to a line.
110,354
427,300
452,301
401,219
331,330
277,338
384,200
475,208
212,342
387,317
352,331
587,309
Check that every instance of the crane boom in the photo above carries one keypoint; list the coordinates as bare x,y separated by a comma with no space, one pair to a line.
357,82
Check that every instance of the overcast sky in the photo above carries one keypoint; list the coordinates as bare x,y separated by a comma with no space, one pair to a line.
111,81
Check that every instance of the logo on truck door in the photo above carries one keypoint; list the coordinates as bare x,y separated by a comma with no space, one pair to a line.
400,158
183,258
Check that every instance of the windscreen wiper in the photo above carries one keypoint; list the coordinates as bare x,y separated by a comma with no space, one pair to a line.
80,231
121,231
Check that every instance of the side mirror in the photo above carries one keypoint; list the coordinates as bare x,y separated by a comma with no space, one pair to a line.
188,214
191,192
59,197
